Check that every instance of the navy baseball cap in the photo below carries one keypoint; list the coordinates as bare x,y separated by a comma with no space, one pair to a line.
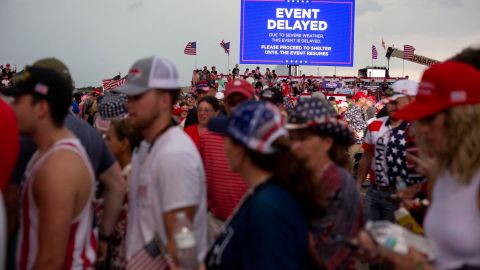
46,83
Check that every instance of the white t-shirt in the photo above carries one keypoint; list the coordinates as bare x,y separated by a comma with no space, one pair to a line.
169,177
453,220
221,85
250,80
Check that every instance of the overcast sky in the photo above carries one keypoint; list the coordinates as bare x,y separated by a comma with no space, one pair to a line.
99,38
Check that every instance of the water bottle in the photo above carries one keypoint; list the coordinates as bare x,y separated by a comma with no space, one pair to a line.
398,239
185,242
405,219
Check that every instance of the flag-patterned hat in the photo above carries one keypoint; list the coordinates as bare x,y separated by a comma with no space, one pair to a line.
319,115
256,125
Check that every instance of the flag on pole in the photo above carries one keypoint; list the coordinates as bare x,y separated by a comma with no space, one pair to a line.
374,52
225,46
383,44
408,51
191,48
109,84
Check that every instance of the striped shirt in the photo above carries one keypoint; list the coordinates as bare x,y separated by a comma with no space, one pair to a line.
82,243
224,187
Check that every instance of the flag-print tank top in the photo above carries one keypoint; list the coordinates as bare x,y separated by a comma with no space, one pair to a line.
82,243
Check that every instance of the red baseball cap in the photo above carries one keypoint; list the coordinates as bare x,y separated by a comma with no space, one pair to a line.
177,110
9,143
443,86
202,86
239,86
97,91
359,95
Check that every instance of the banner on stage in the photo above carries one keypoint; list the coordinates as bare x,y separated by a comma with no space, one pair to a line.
297,32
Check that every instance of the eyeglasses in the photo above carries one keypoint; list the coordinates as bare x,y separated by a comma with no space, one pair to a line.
205,110
299,136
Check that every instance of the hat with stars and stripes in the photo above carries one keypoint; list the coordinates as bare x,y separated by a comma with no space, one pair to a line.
319,115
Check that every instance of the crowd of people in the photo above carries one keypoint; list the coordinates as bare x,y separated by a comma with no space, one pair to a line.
262,173
7,73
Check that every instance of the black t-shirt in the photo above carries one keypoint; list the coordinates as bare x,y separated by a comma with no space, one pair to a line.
192,117
27,149
100,155
235,71
384,86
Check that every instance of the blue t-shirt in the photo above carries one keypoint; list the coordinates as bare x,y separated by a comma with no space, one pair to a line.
75,108
269,231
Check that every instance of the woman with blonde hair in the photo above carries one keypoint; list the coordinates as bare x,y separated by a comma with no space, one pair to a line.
446,115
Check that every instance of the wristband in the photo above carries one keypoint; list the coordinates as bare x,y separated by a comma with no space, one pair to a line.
103,237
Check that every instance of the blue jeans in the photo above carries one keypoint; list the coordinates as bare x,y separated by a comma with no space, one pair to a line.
377,205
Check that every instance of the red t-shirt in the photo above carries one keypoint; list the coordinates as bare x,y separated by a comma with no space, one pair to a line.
224,187
9,143
192,132
286,90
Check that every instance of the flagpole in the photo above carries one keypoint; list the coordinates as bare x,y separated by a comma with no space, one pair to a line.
403,65
228,63
196,61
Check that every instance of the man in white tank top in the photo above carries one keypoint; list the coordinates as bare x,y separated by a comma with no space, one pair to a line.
57,199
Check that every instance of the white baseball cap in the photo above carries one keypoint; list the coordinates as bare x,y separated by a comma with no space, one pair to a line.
147,73
402,88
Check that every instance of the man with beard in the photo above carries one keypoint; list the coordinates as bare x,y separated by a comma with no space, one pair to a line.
167,171
385,156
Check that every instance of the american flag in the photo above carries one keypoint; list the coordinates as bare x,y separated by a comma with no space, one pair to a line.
114,82
152,256
374,52
225,46
408,51
191,48
396,154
